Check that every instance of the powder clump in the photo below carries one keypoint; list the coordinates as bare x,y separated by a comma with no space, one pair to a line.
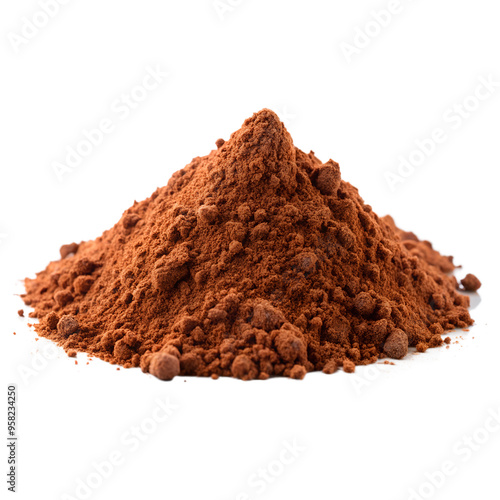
164,366
396,345
67,325
471,283
255,261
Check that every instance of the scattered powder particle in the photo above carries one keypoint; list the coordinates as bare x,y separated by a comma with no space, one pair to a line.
71,353
67,250
21,313
14,333
255,261
349,366
447,340
471,283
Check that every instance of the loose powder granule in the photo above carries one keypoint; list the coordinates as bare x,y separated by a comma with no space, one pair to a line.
471,283
255,261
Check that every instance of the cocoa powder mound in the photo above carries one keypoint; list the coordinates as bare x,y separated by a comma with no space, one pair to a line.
255,261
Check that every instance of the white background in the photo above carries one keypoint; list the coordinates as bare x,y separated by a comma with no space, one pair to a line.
372,435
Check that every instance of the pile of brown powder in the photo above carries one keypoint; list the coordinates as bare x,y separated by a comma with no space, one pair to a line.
254,261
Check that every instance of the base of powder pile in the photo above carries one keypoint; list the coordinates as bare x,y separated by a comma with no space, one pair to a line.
255,261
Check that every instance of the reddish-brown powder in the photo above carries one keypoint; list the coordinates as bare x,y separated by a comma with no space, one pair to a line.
471,283
254,261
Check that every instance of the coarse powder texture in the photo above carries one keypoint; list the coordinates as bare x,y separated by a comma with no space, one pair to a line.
254,261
